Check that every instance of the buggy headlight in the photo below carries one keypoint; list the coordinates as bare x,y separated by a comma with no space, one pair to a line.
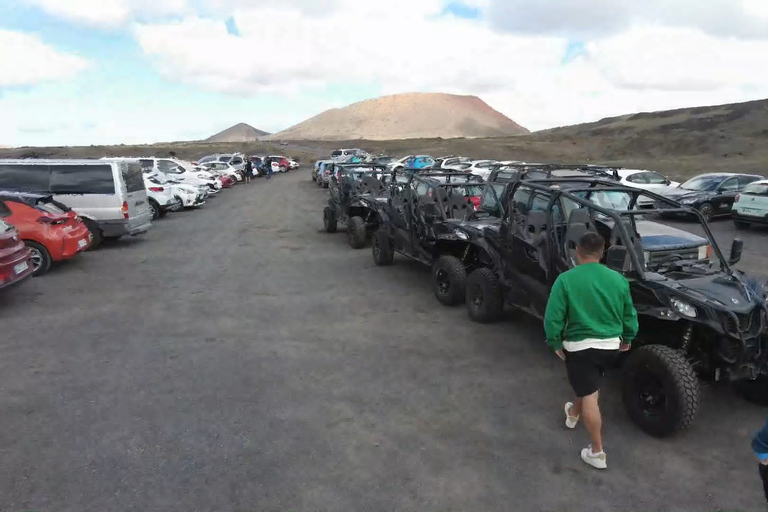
462,235
684,308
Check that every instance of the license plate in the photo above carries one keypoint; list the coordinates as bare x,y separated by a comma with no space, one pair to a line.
21,267
82,243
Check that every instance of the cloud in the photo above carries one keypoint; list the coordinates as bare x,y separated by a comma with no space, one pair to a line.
26,60
594,19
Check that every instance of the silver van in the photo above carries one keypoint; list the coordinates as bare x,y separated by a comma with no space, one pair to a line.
108,194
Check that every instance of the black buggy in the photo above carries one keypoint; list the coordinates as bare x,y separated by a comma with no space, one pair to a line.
697,315
356,194
430,217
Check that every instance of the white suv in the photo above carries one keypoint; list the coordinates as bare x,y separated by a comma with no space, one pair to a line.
160,196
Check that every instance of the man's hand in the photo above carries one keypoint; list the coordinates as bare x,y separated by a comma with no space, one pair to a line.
560,354
625,347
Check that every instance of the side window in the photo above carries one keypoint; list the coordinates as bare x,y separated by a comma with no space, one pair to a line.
236,161
655,178
82,179
165,165
224,159
132,176
25,178
746,180
640,177
730,184
520,199
4,210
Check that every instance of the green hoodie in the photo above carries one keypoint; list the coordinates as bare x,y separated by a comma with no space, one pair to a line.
589,301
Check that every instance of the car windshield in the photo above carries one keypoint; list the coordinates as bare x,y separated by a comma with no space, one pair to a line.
702,183
157,178
756,189
224,159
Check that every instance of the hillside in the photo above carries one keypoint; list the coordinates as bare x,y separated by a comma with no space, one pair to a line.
406,116
241,132
748,119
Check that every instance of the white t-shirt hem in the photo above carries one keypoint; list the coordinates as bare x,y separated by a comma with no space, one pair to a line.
600,344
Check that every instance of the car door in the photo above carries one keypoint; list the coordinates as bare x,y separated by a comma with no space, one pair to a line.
725,195
399,217
516,250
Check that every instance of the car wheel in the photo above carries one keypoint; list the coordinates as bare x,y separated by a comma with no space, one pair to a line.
448,280
41,258
660,390
96,235
325,185
356,232
329,220
706,211
484,296
754,391
154,209
181,203
383,251
741,225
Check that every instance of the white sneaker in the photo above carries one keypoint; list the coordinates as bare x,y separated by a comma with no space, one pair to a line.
570,421
596,460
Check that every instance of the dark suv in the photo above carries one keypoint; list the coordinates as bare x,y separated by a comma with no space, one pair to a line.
697,315
430,217
355,196
711,194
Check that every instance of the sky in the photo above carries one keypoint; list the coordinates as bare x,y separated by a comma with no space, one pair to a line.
82,72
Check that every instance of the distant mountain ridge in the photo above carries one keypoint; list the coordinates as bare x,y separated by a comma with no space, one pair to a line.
406,116
241,132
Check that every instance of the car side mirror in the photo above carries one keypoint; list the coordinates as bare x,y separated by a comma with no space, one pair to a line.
616,257
737,247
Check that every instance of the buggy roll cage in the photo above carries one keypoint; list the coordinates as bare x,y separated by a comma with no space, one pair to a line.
554,188
440,188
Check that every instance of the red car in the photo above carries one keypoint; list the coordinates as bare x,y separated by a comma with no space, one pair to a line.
15,258
52,231
227,181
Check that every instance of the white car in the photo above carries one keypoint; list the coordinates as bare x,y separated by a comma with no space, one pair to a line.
236,160
189,195
160,196
221,167
646,180
399,163
751,205
482,168
183,172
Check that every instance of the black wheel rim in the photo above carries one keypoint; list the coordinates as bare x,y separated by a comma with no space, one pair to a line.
376,249
650,395
443,281
706,211
153,210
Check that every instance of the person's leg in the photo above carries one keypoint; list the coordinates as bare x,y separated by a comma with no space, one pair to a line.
764,476
593,422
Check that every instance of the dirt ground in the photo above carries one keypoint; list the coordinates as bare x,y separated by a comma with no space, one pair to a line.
236,358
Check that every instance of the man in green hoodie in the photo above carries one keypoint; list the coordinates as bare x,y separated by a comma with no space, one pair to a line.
590,318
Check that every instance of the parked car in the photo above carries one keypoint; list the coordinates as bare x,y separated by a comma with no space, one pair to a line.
697,315
161,198
344,153
109,195
236,160
432,221
419,162
220,168
482,168
646,180
354,201
751,205
283,163
400,162
181,171
15,258
317,170
712,194
188,195
50,230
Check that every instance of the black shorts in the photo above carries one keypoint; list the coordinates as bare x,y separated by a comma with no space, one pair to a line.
586,369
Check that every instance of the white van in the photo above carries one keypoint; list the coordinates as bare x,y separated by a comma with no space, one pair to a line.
108,194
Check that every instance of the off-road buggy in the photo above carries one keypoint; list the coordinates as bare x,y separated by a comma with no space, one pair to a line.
356,193
430,217
697,315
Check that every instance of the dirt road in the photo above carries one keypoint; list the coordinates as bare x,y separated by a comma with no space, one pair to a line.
238,359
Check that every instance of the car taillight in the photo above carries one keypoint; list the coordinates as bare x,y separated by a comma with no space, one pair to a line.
156,189
124,209
738,196
52,221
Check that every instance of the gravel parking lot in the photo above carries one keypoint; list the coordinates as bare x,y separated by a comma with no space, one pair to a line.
236,359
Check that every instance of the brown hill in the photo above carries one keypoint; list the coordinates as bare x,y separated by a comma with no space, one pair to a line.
241,132
745,119
406,116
